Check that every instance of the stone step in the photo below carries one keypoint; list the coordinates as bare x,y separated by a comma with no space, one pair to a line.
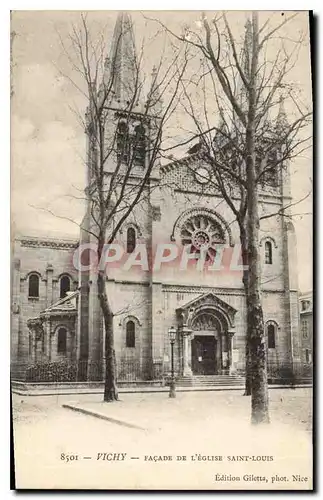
215,379
197,384
210,380
212,377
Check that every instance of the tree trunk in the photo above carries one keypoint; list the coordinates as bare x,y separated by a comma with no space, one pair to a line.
244,254
257,343
247,390
256,334
110,386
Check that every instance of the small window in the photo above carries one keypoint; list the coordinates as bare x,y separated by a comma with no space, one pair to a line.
61,341
271,336
33,286
268,253
131,239
65,286
130,334
139,146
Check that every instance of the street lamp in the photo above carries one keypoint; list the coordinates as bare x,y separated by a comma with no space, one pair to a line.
172,338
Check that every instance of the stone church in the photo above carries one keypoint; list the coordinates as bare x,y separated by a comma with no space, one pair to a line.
57,327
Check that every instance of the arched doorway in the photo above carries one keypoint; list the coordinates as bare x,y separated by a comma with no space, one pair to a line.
206,344
206,328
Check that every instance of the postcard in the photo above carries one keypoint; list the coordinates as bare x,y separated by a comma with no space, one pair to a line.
161,281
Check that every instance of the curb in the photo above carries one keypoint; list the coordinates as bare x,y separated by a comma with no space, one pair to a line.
103,417
124,390
151,390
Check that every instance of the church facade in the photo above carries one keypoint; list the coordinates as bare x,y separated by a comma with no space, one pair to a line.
56,316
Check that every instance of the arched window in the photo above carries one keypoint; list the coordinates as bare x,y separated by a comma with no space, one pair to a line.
271,336
268,253
123,142
61,340
131,239
139,146
64,286
33,286
130,334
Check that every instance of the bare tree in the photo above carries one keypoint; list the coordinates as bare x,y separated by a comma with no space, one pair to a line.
124,140
246,148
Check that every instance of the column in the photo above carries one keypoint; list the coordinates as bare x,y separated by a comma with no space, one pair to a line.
221,338
49,285
225,353
47,334
230,335
186,332
159,331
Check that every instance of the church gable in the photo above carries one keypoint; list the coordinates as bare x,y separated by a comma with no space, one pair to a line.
190,174
66,305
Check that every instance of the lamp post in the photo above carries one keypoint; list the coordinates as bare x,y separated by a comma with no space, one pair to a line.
172,338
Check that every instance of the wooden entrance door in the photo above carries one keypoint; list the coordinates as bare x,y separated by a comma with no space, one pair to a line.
204,355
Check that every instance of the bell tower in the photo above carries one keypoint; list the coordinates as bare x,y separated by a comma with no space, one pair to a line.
128,121
128,114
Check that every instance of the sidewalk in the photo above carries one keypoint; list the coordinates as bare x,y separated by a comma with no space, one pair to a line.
158,411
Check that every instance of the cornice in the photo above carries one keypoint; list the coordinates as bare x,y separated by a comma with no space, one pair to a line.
48,243
205,289
185,160
201,289
128,282
50,314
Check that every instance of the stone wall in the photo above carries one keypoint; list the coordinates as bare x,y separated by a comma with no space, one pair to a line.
49,259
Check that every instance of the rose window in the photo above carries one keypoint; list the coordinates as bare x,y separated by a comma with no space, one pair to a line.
202,233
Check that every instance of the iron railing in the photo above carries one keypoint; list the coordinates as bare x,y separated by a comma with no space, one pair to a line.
289,373
131,370
128,370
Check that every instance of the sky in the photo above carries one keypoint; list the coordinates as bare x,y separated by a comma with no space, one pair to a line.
47,139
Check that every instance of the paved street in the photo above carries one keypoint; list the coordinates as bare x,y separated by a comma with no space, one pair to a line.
195,425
